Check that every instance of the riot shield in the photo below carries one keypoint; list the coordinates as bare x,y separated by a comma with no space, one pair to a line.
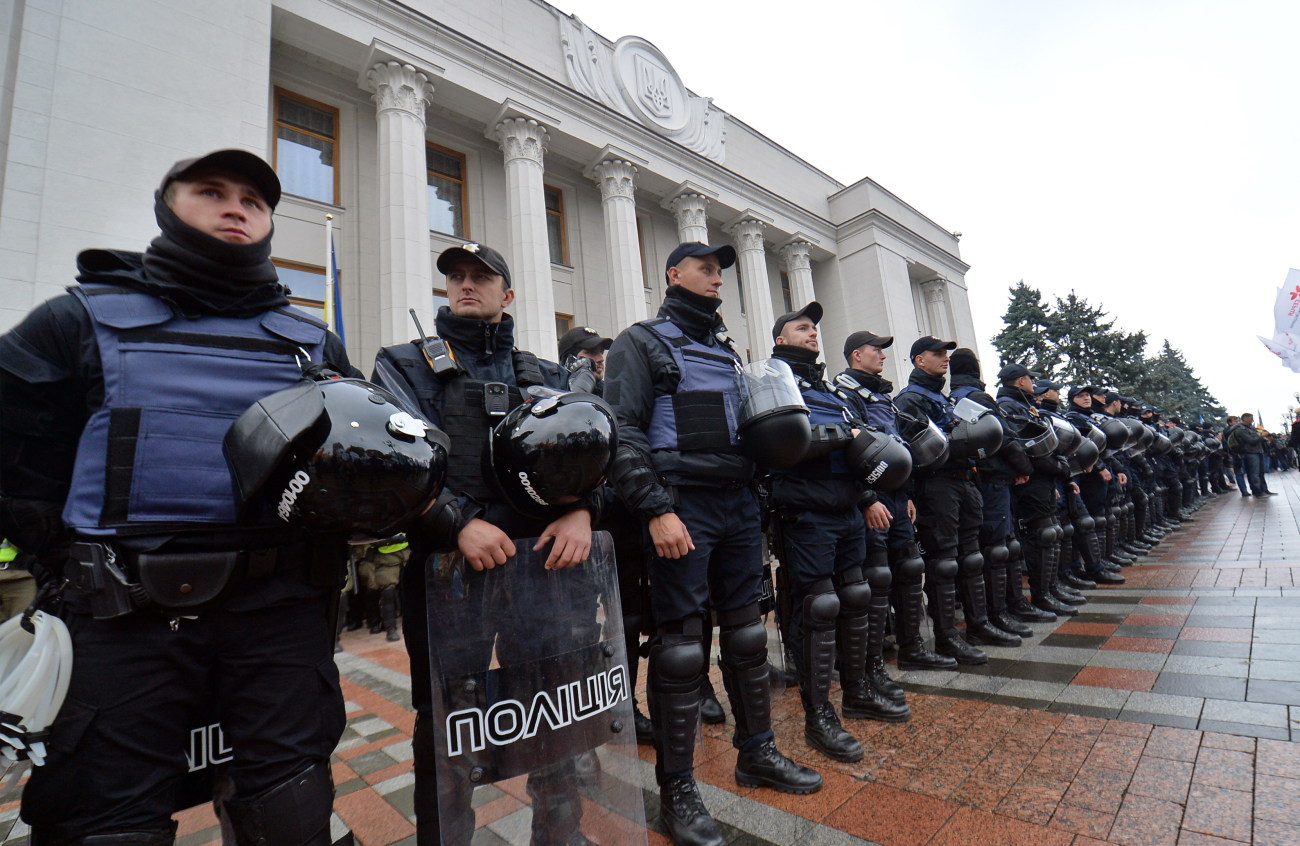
532,707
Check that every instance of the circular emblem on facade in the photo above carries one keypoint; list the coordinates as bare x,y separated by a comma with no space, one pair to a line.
649,85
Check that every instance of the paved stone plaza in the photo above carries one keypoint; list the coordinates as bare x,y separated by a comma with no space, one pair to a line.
1168,712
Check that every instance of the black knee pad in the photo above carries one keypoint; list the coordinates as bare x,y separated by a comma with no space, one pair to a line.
821,606
677,659
295,811
946,568
746,646
911,568
1045,535
879,578
1114,512
971,564
1014,549
855,597
997,554
1085,524
1068,530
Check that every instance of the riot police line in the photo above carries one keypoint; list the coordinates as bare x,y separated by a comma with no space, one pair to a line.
190,520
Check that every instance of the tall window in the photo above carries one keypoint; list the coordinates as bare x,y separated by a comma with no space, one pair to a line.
785,292
306,285
555,225
306,147
563,323
446,190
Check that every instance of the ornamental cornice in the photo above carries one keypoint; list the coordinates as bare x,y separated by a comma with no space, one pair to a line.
399,87
522,138
615,178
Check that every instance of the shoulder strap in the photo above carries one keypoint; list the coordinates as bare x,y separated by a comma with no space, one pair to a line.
528,371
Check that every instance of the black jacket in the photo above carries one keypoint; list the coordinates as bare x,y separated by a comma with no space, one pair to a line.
1009,462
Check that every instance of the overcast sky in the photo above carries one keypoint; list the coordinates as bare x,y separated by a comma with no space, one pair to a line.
1143,154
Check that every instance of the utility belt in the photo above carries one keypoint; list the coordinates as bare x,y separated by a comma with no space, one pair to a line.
119,581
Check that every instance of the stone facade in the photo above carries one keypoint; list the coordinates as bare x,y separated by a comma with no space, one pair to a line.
584,161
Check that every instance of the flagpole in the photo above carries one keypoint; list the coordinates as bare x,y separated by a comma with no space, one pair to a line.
329,271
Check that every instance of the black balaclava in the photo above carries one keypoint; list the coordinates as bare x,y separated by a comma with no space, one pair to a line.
200,274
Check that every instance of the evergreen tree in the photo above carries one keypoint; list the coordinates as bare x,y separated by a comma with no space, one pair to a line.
1091,350
1170,383
1025,338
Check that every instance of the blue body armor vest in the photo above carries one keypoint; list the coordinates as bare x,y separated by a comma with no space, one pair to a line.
947,419
964,391
150,457
877,409
825,408
704,412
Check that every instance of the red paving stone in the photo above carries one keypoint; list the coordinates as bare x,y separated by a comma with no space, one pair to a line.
1158,645
1118,679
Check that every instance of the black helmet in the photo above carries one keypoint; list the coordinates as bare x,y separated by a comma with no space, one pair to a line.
1037,436
925,440
1116,432
1085,457
881,459
1135,429
775,428
1160,444
1146,437
978,432
551,450
1068,438
339,455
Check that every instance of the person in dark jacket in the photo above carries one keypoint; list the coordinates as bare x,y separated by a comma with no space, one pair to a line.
822,506
673,382
948,505
117,396
473,518
998,474
1246,441
894,564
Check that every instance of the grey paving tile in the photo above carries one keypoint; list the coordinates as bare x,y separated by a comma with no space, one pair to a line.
1084,710
1246,729
1060,655
1276,692
1180,684
983,684
1212,649
933,678
1273,621
1289,636
1229,611
1168,632
1163,703
1275,670
1274,651
1082,694
1127,660
776,825
1154,719
1245,712
1221,621
1237,668
1028,689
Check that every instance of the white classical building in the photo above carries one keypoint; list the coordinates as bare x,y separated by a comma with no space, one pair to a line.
421,124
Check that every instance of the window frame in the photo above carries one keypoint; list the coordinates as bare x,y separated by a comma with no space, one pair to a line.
564,225
464,188
568,318
334,142
307,268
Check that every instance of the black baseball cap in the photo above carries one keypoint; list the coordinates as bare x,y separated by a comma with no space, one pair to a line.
582,338
490,257
1081,389
864,337
1012,372
1110,396
928,343
246,164
1042,386
725,252
813,310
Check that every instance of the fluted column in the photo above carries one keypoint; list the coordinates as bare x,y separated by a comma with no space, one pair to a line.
692,214
797,256
401,94
752,259
616,179
935,292
523,141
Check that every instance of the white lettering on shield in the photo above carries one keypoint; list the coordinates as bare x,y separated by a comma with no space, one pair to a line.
207,746
510,720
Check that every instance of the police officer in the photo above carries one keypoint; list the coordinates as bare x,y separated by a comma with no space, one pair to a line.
673,382
894,566
117,396
821,504
582,352
1004,561
1035,502
949,508
380,571
467,378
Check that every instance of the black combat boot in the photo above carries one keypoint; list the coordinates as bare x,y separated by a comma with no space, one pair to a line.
912,654
388,613
943,610
1018,607
995,590
763,765
683,813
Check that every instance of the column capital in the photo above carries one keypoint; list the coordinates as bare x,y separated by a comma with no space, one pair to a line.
522,138
797,255
398,86
689,209
747,232
935,290
615,178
